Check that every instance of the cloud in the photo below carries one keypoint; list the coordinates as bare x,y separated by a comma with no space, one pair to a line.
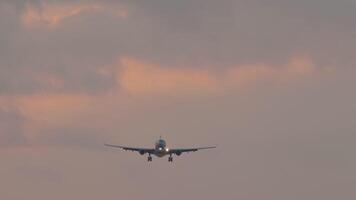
25,119
63,118
52,14
56,110
235,32
138,77
53,116
198,72
11,123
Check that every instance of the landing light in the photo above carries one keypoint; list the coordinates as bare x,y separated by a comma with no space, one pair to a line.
167,149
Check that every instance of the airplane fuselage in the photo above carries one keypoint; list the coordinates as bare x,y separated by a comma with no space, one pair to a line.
161,148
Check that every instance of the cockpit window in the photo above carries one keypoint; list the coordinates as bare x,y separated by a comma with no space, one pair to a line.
161,143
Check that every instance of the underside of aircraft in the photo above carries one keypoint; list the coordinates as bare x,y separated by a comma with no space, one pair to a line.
160,150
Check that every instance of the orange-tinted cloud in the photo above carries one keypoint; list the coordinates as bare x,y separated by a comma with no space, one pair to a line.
137,77
41,107
43,113
51,14
247,74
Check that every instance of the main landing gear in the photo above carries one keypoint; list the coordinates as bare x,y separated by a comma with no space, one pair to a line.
149,159
170,159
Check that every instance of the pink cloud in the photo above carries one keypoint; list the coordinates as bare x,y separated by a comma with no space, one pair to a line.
41,112
45,112
138,77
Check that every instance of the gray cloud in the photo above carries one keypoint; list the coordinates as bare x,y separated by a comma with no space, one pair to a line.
284,140
197,33
239,31
11,132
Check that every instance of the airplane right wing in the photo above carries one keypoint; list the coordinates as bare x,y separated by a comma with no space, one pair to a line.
180,151
140,150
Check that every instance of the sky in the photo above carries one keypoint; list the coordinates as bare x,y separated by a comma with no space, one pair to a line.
271,83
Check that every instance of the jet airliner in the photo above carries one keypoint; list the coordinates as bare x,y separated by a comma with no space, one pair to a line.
160,150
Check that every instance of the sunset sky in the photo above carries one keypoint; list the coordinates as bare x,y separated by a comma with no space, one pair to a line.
272,83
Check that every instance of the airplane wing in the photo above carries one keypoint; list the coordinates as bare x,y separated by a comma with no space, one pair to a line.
180,151
140,150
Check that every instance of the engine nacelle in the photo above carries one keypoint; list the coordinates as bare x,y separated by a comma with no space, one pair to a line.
142,152
178,153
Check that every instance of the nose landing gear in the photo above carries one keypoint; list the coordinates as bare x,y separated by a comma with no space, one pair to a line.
170,159
149,159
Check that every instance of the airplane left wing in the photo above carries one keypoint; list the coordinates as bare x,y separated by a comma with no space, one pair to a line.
180,151
140,150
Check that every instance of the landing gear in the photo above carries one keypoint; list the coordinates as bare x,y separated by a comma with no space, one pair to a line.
149,159
170,159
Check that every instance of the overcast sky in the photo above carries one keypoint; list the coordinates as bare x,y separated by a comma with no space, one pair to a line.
272,83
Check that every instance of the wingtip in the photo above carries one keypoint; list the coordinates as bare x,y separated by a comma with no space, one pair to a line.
108,145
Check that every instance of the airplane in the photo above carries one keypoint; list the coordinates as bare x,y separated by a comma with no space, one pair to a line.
160,150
